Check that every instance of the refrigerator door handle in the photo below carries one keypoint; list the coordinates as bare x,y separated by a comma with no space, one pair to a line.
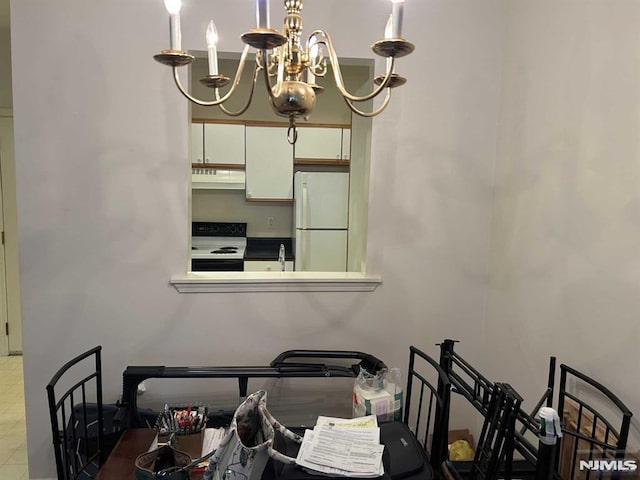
305,206
305,250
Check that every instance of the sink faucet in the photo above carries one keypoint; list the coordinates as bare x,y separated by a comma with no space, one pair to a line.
281,257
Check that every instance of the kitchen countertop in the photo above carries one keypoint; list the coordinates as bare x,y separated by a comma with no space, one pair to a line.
267,248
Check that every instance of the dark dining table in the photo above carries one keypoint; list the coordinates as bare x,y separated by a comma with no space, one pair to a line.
120,465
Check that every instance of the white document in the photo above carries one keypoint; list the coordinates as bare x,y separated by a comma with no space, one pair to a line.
211,439
368,421
348,451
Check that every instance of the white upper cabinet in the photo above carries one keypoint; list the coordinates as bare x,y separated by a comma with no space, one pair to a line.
269,164
197,143
321,143
224,144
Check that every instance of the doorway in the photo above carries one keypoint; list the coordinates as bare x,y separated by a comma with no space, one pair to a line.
10,319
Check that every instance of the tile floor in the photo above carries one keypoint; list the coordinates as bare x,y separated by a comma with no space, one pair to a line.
13,445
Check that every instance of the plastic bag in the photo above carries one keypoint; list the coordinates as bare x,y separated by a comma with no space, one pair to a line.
461,450
378,394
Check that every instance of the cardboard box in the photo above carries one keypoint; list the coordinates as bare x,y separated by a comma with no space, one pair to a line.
454,435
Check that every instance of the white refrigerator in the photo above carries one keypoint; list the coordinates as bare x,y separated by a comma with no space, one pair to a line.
321,215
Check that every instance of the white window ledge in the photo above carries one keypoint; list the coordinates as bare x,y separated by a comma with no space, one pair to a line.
226,282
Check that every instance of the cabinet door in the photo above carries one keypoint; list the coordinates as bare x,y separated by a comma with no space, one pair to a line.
197,143
266,266
269,164
319,143
346,143
224,144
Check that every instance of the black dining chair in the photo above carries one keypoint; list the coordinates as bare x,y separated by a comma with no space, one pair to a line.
77,416
595,425
427,403
494,455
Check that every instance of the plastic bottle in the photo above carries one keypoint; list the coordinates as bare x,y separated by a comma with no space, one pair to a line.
281,257
550,429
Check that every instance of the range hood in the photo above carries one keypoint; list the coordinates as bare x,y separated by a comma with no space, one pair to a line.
217,178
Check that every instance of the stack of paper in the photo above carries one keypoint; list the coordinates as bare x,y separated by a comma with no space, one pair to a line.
211,439
337,446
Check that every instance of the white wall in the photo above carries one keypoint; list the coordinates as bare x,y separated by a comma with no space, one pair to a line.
5,56
103,193
565,257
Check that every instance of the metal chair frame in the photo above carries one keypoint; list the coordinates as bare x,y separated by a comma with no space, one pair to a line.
72,451
433,399
593,428
476,388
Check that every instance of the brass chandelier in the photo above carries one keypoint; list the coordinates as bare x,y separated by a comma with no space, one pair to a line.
289,68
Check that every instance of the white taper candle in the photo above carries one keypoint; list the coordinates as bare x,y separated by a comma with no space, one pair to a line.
262,13
388,27
212,49
173,7
176,36
396,13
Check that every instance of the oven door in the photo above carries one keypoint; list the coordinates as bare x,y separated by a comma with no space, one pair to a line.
217,265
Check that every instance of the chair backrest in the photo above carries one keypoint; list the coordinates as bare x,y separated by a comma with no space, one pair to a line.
77,416
477,389
595,422
595,425
426,409
494,453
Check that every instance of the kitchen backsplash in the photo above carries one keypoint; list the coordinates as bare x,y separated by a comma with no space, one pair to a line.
264,219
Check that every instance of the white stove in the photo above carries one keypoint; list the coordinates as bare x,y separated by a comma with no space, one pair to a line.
217,246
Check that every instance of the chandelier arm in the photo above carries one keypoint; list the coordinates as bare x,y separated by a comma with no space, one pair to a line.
218,101
176,78
316,63
337,73
385,102
267,82
229,113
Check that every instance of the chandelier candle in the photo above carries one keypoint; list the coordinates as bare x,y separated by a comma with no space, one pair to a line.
262,13
396,14
388,35
173,7
388,29
212,41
